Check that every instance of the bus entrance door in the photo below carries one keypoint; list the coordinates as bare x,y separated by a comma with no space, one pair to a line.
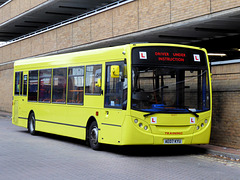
114,102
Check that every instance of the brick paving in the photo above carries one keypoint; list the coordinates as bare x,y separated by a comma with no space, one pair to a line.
23,156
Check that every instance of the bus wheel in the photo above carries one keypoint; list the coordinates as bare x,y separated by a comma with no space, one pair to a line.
31,124
93,136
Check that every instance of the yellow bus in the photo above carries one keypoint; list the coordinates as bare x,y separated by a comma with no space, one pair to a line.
134,94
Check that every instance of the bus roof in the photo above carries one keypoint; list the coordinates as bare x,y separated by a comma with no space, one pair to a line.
85,57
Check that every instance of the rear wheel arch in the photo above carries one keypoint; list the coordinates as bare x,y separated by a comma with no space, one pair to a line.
92,133
90,120
31,123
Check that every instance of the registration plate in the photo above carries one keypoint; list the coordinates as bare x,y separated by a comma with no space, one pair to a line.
172,141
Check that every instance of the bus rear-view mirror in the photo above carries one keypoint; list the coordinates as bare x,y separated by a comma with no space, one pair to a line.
114,71
98,84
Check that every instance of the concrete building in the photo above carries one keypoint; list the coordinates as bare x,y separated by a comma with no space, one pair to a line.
30,28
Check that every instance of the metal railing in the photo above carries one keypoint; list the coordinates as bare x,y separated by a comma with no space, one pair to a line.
69,21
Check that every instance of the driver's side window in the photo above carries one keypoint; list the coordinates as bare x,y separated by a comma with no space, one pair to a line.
114,87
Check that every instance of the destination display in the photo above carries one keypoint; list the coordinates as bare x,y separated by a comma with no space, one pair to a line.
168,55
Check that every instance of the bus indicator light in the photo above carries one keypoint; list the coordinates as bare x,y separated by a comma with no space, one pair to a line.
153,120
96,113
143,55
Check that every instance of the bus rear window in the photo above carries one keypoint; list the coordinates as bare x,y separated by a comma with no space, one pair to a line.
17,83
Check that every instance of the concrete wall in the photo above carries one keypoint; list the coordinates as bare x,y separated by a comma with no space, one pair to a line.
6,87
226,106
129,18
16,7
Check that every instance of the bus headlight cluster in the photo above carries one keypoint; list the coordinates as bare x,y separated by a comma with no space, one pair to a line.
202,124
140,124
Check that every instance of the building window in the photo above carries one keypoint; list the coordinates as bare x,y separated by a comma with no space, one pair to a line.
45,85
33,85
59,85
93,80
75,85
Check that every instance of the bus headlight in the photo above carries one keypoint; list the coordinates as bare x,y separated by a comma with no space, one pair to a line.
136,121
206,121
145,127
140,125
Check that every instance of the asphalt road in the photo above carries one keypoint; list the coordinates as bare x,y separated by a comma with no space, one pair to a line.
46,156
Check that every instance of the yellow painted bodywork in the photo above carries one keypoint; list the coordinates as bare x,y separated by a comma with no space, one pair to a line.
116,126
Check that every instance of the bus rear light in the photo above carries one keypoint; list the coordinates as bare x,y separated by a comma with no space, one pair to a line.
96,113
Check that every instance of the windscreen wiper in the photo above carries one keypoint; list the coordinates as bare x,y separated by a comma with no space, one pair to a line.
145,115
194,113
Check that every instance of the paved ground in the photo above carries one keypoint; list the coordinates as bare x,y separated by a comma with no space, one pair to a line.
46,156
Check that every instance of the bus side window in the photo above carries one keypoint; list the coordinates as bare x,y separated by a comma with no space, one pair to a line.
33,85
17,83
93,80
75,85
25,85
45,85
59,85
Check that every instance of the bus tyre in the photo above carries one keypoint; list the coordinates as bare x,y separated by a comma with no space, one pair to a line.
31,124
93,136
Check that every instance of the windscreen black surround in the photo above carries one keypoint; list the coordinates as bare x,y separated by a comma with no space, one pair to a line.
170,80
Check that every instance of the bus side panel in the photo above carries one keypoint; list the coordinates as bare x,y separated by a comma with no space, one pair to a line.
15,112
16,120
111,126
60,119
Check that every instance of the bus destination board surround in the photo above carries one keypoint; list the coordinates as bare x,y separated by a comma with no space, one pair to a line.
168,56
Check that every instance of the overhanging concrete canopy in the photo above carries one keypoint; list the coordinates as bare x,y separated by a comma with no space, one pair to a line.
2,2
46,14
